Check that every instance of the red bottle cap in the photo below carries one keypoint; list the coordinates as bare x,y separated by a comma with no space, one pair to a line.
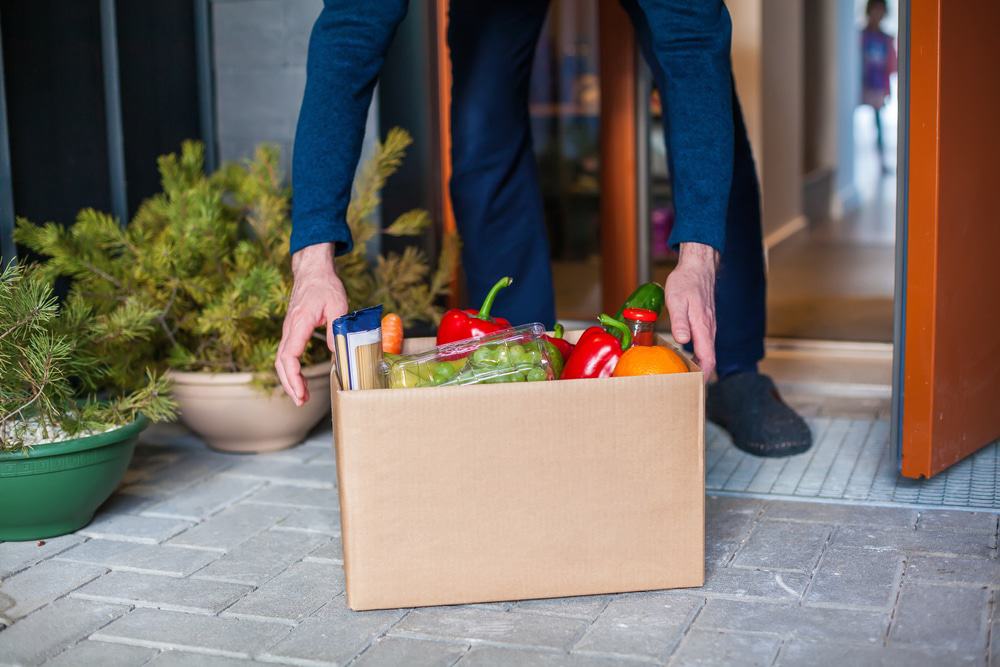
639,315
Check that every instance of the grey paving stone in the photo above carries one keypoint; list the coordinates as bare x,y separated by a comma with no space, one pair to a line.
184,659
964,571
148,558
842,515
492,606
16,556
171,630
169,593
717,505
647,625
980,522
715,647
292,595
941,616
917,541
133,528
319,449
330,552
839,654
312,520
231,527
51,630
724,533
852,577
250,32
745,582
494,626
393,651
994,656
783,545
262,557
295,496
814,623
172,469
130,500
502,656
332,639
586,606
303,475
94,654
204,499
43,583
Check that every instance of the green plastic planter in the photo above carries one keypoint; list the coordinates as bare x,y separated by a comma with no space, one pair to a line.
54,489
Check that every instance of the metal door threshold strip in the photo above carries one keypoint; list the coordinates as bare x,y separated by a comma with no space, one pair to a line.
851,462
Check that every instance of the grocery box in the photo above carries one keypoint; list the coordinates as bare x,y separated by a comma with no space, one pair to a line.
484,493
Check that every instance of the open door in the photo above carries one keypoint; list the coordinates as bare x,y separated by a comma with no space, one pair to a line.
948,329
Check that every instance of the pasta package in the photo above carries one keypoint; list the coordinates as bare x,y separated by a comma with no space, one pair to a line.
357,340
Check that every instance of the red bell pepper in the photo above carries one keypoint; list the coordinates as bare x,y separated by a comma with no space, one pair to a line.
564,346
597,352
459,324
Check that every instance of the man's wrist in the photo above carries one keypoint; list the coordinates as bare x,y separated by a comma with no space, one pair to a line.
314,257
698,255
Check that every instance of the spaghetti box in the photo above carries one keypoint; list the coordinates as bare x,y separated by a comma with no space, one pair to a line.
483,493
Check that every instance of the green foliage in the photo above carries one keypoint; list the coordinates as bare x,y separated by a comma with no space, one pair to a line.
204,266
404,284
55,363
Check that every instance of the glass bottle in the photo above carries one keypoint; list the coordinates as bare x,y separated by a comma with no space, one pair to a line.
641,323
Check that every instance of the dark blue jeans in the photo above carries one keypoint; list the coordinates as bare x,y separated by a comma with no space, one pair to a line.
496,194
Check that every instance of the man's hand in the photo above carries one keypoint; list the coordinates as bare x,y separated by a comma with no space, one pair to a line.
318,298
690,296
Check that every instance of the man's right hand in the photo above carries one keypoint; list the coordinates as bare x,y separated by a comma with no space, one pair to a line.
318,298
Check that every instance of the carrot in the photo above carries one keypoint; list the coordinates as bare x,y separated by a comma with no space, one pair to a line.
392,334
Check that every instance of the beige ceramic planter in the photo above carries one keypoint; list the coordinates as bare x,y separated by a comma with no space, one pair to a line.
234,416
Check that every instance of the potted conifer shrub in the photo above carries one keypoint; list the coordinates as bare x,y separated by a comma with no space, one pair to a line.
209,255
70,409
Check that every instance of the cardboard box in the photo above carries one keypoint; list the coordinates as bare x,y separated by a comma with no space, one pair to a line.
514,491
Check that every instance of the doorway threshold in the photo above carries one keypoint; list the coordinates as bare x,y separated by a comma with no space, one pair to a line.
830,368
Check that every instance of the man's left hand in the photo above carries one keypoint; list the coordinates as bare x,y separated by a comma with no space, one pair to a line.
690,297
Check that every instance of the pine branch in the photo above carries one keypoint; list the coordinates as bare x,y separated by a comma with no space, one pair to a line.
410,223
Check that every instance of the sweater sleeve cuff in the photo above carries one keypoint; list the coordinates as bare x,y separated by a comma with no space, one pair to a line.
306,233
709,237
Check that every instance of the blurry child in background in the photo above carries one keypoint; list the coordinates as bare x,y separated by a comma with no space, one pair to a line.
878,62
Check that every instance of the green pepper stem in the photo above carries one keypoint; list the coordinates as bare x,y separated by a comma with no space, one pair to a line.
484,310
558,330
609,321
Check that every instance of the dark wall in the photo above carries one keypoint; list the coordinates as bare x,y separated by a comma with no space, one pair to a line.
156,58
55,98
408,99
55,107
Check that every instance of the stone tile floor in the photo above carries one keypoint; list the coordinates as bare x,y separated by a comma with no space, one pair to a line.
211,559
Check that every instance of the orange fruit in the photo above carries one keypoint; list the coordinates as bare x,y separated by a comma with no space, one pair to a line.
649,360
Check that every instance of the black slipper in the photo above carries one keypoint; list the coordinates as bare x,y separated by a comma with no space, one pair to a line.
749,407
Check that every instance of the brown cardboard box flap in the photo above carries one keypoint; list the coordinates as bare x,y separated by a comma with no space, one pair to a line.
512,491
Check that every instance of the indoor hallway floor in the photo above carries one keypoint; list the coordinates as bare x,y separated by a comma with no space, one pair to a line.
834,279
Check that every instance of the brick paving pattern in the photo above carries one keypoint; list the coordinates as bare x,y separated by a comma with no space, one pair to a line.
218,560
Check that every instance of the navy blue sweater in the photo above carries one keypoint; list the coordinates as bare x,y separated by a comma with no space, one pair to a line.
686,42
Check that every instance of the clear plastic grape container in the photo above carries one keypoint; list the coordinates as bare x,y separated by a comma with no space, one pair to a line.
518,354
